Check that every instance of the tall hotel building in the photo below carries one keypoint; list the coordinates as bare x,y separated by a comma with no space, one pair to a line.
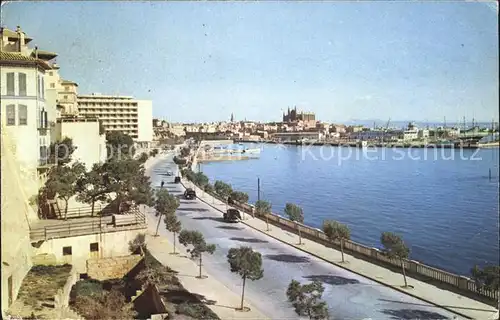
120,113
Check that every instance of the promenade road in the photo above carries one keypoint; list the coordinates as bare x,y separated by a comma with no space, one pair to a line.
349,296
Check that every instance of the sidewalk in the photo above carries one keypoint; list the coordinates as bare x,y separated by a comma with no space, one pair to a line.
225,300
445,299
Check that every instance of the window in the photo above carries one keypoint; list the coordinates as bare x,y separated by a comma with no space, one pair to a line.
43,86
38,82
10,83
22,84
94,247
11,115
67,251
52,85
51,73
23,114
65,97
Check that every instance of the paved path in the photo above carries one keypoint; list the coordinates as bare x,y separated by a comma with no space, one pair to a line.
349,295
220,299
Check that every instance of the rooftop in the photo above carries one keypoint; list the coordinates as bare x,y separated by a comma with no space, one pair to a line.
69,82
13,35
7,58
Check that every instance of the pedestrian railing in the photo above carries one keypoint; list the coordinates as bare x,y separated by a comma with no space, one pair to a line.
76,227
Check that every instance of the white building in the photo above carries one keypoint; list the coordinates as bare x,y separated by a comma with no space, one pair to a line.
91,145
120,113
298,136
22,90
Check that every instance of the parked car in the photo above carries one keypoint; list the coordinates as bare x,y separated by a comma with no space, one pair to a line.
189,194
169,173
232,215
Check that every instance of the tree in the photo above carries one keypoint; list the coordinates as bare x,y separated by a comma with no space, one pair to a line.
62,181
138,245
153,153
247,263
306,299
239,196
60,152
143,157
263,208
486,278
173,225
394,247
200,179
91,186
165,204
120,145
199,246
185,152
127,179
336,231
222,189
295,213
209,188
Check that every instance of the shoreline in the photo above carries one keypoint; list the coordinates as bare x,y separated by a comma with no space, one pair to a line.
379,145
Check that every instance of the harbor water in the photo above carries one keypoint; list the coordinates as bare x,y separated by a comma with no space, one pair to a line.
442,202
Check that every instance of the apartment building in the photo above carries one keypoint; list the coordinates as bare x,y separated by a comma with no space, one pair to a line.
23,107
120,113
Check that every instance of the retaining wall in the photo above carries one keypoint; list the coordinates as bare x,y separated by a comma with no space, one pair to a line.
111,268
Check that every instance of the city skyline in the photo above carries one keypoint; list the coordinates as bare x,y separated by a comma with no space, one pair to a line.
342,61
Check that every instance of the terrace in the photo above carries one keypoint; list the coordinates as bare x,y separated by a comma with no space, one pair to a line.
80,222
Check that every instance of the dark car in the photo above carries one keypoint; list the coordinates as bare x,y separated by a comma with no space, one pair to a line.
189,194
232,215
177,180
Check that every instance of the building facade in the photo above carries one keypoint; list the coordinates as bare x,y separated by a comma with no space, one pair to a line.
120,113
309,118
22,90
91,144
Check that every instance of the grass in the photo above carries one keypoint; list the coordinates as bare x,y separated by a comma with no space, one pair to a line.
41,284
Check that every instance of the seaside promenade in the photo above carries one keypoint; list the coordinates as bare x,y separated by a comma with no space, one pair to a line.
453,302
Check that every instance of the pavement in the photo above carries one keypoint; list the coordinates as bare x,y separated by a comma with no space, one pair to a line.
218,297
354,290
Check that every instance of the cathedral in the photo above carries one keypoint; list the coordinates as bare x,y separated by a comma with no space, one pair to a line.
293,116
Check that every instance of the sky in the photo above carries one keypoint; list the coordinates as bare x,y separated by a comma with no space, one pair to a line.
202,61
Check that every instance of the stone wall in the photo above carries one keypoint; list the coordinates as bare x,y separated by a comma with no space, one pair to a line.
16,216
111,268
111,244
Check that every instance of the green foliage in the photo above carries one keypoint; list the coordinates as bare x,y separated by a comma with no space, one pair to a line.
120,145
126,177
209,188
179,161
143,157
91,186
165,203
197,241
111,305
102,130
336,231
262,207
200,179
486,278
239,196
62,180
294,212
306,299
222,189
60,151
246,262
185,152
196,311
88,288
138,245
153,153
394,246
172,223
